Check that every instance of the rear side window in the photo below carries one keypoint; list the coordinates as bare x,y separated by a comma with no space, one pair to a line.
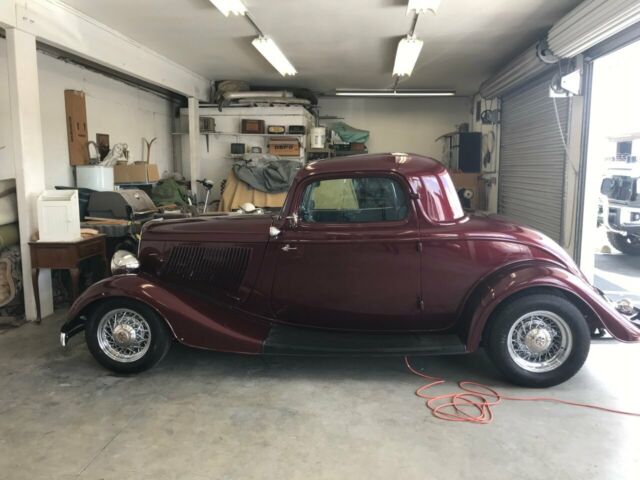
354,200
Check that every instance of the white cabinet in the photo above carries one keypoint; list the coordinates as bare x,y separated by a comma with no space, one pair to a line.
216,158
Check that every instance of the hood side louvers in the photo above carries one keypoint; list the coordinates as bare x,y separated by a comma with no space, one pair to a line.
217,267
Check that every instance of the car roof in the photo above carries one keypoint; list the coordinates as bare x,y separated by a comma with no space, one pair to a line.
408,164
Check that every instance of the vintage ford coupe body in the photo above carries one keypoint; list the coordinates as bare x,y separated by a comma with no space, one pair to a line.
370,254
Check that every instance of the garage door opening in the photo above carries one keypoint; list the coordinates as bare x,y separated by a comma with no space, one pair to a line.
611,222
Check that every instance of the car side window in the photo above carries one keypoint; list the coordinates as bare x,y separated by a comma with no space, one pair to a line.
354,200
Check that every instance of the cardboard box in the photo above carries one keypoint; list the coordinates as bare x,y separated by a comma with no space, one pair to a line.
284,147
76,112
136,173
472,182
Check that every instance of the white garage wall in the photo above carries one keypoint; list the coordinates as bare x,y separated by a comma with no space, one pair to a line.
124,112
400,124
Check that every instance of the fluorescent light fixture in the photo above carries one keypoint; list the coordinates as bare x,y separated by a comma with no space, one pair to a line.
407,56
269,50
423,6
230,6
393,93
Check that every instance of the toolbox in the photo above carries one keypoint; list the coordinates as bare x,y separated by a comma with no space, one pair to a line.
252,126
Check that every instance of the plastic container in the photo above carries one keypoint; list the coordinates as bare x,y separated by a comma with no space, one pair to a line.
318,137
59,216
95,177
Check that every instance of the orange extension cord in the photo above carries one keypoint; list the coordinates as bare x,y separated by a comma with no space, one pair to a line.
473,404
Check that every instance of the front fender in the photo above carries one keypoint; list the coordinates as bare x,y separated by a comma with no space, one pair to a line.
194,320
495,289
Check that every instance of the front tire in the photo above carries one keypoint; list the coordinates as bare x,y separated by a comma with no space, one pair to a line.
629,244
538,340
126,336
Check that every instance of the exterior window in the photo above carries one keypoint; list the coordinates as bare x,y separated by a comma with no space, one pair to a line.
354,200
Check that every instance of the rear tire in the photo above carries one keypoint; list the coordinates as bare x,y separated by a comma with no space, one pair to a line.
538,340
127,336
629,245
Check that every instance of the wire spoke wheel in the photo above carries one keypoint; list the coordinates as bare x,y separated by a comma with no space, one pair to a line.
539,341
124,335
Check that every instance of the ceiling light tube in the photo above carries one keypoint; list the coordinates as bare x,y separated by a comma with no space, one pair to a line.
423,6
394,93
269,50
406,56
230,6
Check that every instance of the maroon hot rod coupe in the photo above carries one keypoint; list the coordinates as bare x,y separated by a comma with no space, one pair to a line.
370,254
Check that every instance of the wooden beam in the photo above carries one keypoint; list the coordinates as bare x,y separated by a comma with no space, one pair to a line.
55,23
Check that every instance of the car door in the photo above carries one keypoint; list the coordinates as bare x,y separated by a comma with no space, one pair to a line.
351,261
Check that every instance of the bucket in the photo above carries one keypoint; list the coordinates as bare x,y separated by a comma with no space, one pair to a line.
318,137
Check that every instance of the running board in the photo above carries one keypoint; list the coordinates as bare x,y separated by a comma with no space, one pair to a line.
284,340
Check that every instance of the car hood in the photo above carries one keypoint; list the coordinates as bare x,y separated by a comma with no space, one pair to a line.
239,228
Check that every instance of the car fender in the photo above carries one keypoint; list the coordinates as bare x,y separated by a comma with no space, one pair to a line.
517,278
194,320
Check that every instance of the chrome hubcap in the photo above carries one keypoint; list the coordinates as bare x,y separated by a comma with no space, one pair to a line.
124,335
539,341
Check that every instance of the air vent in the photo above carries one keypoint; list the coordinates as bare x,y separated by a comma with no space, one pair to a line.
218,267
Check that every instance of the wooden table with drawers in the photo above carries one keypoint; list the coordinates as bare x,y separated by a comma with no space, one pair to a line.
65,256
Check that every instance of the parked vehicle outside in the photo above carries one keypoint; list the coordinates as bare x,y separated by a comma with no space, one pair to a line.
619,209
370,255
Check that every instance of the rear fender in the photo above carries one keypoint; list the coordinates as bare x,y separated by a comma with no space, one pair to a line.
516,279
194,321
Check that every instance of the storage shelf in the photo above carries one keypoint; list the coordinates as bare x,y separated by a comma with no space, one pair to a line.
187,133
230,134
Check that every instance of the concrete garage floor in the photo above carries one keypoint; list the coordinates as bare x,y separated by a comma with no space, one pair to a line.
618,276
204,415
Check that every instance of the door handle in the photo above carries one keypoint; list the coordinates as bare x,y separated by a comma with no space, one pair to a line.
288,248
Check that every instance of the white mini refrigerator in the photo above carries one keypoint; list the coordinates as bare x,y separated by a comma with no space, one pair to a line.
59,216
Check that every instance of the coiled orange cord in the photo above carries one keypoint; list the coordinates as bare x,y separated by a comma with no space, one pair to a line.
473,404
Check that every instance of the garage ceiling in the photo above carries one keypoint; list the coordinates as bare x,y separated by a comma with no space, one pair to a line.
335,43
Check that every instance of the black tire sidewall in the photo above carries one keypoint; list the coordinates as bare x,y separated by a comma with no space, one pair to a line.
620,243
496,338
160,336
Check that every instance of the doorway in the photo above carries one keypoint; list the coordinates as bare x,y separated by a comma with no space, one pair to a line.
610,246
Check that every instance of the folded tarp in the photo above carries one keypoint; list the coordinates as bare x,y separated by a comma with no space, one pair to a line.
267,175
349,134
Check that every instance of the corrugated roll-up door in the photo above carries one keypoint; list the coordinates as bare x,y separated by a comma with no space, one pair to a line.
532,158
590,23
